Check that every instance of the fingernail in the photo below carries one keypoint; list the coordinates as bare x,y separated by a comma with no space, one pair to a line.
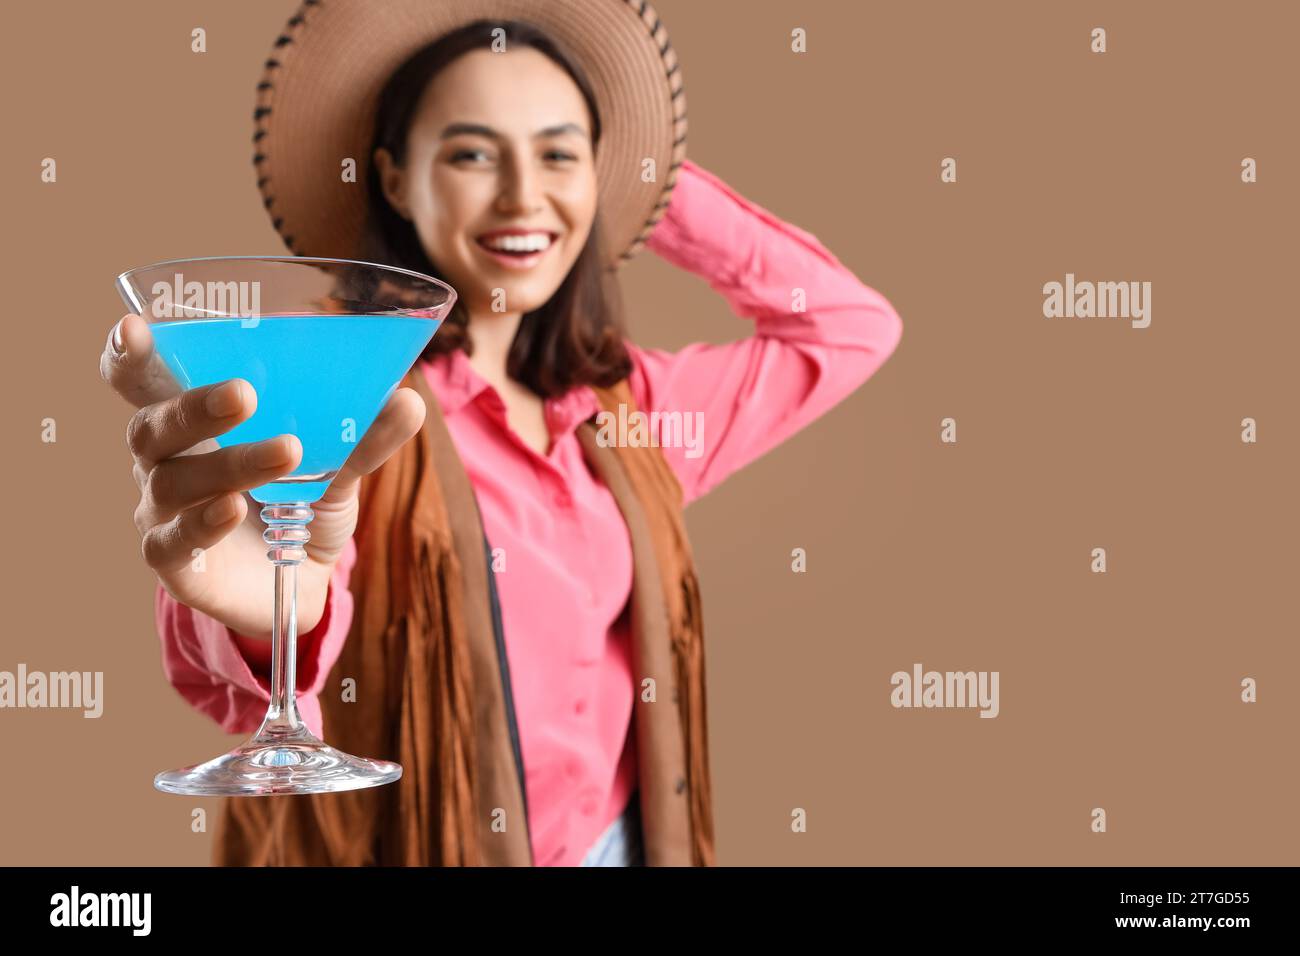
268,454
220,511
224,400
119,344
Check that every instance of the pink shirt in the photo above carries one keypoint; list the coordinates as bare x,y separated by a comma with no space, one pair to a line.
567,571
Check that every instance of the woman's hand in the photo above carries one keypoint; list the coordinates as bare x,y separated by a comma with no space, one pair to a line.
192,491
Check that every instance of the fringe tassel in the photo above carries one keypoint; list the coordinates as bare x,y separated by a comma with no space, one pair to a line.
689,654
452,773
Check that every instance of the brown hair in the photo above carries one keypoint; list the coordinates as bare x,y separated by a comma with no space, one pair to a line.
575,337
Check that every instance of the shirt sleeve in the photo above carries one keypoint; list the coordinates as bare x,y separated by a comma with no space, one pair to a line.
228,676
819,333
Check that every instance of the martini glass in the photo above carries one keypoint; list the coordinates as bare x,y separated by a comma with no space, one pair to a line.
325,342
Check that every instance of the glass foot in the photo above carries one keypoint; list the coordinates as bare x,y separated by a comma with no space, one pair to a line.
284,763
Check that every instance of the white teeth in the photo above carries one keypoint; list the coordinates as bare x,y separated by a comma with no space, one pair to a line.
533,242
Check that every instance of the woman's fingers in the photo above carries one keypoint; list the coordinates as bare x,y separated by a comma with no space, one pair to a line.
171,545
166,428
400,419
131,365
177,484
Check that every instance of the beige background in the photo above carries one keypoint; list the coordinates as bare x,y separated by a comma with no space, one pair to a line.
1118,690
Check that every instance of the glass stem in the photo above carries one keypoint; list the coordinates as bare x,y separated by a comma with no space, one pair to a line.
286,532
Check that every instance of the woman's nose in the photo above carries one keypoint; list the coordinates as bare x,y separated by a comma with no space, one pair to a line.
519,191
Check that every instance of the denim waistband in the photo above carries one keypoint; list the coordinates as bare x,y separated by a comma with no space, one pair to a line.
620,844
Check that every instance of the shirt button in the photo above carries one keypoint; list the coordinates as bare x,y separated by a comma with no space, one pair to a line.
563,499
573,769
588,807
580,707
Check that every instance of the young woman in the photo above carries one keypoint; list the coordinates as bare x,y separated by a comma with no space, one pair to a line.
492,166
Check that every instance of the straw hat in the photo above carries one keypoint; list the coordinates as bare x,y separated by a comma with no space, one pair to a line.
321,85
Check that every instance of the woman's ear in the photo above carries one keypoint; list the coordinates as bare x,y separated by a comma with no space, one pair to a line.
392,180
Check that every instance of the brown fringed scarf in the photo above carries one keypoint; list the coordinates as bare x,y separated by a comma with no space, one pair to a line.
431,686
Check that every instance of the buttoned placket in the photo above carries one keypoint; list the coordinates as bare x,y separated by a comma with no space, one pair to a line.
558,429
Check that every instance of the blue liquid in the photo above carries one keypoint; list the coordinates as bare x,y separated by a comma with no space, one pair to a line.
323,378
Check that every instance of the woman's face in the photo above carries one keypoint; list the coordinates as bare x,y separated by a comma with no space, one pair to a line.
499,141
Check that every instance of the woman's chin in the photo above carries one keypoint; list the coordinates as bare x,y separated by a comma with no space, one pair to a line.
514,293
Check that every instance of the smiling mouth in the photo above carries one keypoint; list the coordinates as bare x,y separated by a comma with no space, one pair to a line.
517,251
518,246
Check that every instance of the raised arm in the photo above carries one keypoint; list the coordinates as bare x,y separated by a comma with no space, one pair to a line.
819,332
228,676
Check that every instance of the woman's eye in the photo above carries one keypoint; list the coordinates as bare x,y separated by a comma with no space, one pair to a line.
465,154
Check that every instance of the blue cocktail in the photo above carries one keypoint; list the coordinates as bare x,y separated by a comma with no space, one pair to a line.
323,378
324,343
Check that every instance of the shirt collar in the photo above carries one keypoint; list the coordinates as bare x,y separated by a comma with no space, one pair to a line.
455,383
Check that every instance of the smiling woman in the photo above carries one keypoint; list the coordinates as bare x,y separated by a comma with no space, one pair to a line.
505,212
503,598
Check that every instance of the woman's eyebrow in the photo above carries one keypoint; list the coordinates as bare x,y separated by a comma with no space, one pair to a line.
478,129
